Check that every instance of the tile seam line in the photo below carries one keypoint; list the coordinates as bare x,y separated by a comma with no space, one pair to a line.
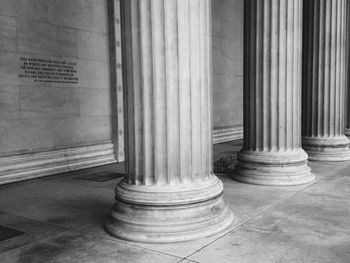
251,219
77,231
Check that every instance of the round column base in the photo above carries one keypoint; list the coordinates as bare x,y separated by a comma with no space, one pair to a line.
172,214
328,149
273,168
347,132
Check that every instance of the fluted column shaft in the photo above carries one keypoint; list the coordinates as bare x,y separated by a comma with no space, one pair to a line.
169,192
272,153
324,80
347,71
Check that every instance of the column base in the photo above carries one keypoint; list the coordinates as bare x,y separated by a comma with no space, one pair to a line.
327,149
280,168
163,214
347,132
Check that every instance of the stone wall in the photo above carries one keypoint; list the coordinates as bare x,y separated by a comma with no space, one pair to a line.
227,65
37,116
60,118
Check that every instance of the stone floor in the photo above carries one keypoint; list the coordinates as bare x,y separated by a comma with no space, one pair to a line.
60,219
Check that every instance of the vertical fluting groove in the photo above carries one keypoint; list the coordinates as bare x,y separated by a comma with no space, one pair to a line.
201,81
336,68
137,102
209,87
168,91
347,71
297,72
204,91
258,105
272,81
195,103
179,94
147,93
290,133
160,91
323,68
286,78
184,89
172,99
125,12
327,66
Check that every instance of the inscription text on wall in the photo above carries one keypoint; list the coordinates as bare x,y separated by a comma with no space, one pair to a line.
48,70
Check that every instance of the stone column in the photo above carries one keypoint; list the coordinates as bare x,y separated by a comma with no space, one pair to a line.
169,192
324,80
272,153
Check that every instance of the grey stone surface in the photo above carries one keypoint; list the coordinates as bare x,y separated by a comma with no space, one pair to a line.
273,224
78,130
8,37
33,230
23,135
274,239
169,193
45,101
227,63
75,247
80,14
9,102
272,152
34,9
34,115
95,102
324,87
92,45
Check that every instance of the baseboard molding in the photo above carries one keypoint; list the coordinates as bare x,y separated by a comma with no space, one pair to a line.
29,166
227,134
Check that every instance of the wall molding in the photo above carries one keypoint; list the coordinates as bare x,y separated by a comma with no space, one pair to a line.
29,166
227,134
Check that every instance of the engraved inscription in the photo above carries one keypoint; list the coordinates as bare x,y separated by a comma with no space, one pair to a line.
48,70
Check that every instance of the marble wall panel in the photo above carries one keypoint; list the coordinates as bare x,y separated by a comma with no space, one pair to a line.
46,39
33,9
79,14
227,65
38,116
9,64
94,74
95,102
92,45
48,102
25,135
8,38
9,103
81,131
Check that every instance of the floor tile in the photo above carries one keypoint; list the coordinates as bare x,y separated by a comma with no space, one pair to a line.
284,240
100,176
8,233
61,204
74,247
32,230
320,210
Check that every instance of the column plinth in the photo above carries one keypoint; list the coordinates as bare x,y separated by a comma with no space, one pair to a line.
324,80
169,193
272,153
